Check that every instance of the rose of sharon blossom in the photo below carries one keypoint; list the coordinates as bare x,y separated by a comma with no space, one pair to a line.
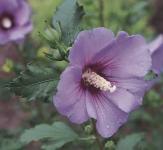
15,20
156,49
104,80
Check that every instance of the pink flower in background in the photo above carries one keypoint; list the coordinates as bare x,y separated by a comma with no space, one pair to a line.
15,20
105,79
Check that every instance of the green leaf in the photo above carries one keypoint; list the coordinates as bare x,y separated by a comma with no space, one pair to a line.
36,82
10,144
68,15
54,146
58,132
5,93
130,141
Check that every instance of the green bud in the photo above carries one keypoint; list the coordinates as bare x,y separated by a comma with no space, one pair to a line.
88,129
110,145
52,35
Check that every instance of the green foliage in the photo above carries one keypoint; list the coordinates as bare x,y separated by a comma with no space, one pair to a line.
4,90
10,144
130,141
153,99
42,12
58,133
69,16
36,82
131,16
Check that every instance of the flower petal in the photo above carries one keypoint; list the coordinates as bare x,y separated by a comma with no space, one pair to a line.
124,100
155,44
134,85
70,98
90,105
22,14
126,56
157,59
19,32
88,43
109,117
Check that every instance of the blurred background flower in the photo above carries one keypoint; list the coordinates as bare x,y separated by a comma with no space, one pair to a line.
15,20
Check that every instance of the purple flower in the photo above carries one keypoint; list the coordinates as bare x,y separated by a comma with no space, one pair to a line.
156,49
15,20
104,80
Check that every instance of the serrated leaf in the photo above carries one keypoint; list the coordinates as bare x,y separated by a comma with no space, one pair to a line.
130,141
68,15
36,82
58,132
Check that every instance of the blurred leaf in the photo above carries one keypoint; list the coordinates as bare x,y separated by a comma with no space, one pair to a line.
130,141
69,15
36,82
54,146
59,132
5,93
10,144
141,115
157,137
42,12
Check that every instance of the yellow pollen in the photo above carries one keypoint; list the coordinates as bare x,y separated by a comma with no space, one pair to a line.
97,81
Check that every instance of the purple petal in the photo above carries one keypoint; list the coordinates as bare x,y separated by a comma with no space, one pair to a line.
23,14
134,85
157,60
20,32
156,48
124,100
126,56
155,44
70,98
8,5
88,43
109,117
90,105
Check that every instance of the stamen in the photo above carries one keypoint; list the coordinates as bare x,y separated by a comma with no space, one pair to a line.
92,78
6,23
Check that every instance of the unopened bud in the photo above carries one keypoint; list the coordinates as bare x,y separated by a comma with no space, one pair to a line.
110,145
88,129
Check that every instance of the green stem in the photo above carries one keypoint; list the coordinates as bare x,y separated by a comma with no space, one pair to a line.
101,12
88,138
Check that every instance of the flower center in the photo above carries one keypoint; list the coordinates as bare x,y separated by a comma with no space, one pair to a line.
6,23
95,80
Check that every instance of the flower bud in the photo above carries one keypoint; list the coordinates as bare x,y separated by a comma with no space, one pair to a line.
88,129
110,145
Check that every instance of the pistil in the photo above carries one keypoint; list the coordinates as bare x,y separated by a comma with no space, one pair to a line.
95,80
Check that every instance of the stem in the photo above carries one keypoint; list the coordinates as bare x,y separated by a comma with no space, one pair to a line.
101,12
98,140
